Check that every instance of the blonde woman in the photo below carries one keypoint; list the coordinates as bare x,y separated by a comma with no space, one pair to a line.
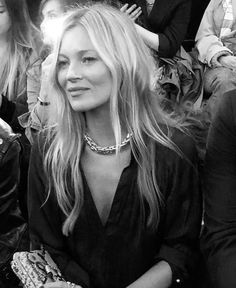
113,187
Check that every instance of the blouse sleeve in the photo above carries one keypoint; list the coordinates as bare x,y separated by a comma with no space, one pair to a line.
174,34
219,234
207,39
183,211
45,222
33,84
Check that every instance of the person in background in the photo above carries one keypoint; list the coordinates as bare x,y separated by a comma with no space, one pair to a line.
108,179
218,239
165,23
18,49
12,223
50,12
215,42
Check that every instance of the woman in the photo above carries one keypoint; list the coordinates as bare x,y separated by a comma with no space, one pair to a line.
219,234
50,12
165,24
12,224
215,42
17,38
18,48
109,216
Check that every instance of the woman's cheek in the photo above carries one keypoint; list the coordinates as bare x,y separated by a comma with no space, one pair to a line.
62,78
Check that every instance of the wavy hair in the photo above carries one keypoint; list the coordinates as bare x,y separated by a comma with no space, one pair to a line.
133,105
21,44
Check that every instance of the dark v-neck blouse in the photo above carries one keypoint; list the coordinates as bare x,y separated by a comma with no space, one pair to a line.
119,252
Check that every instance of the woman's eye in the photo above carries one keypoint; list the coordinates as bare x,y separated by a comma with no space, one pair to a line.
61,64
88,60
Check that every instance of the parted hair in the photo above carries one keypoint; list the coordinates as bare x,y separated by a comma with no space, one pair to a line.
133,105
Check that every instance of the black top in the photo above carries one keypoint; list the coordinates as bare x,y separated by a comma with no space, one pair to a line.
118,253
9,111
219,234
169,19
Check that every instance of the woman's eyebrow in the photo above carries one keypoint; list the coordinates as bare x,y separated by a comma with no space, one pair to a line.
80,52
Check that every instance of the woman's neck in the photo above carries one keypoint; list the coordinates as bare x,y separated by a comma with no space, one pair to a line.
99,127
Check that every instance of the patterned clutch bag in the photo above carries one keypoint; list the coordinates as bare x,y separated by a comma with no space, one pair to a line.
34,268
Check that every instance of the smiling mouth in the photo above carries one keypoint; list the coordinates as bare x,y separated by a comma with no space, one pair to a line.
77,91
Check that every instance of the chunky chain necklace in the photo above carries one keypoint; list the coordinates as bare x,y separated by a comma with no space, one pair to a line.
107,149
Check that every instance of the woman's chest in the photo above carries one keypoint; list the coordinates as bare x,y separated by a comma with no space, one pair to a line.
103,175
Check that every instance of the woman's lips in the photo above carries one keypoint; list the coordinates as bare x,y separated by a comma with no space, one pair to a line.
77,90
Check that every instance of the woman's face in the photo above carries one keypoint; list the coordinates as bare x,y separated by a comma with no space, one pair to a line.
82,74
5,21
51,11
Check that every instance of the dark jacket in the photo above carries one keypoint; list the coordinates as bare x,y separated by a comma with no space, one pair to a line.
219,234
9,178
9,112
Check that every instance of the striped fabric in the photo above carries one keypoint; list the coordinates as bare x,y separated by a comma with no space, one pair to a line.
228,18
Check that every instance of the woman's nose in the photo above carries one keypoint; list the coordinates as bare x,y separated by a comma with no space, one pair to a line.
74,72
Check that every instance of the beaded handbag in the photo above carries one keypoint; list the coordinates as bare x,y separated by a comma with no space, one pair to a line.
34,268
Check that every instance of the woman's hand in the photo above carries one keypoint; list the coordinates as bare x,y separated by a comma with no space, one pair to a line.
132,12
5,129
228,61
60,284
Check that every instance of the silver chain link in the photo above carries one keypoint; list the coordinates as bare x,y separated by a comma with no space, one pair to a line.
107,149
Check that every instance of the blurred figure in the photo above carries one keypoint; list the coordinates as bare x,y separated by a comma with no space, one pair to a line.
50,14
216,45
164,28
219,233
18,47
12,223
18,50
165,24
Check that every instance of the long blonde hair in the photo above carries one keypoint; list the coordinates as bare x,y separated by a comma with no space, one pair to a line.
132,104
21,44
